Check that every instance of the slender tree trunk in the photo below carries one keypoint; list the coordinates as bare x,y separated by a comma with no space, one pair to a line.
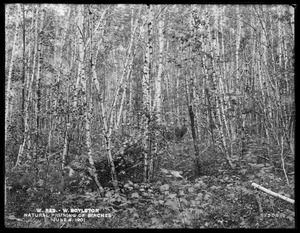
195,141
24,66
107,125
158,84
147,92
9,93
127,68
28,99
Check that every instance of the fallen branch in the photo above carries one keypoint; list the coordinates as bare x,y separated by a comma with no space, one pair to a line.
273,193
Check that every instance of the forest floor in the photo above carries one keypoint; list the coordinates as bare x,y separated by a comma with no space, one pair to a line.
222,198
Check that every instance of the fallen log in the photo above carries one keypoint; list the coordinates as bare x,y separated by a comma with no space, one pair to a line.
273,193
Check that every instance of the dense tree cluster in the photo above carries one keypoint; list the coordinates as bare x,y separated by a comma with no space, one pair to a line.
98,95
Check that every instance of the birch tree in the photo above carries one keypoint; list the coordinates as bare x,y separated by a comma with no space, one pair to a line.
9,94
